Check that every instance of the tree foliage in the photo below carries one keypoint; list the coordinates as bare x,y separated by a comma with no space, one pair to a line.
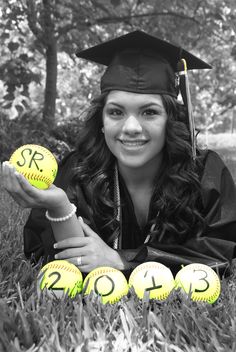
39,70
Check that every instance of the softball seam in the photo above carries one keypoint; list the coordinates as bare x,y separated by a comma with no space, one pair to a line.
37,177
103,271
148,266
137,270
57,266
115,300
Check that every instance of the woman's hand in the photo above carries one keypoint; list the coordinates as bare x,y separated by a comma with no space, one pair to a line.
88,252
27,195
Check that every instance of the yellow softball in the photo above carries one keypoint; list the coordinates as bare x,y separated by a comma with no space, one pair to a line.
36,163
107,282
152,277
59,278
200,282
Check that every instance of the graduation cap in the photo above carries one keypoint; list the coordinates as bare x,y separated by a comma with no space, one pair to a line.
140,63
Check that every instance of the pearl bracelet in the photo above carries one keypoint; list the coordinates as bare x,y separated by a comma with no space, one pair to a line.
64,218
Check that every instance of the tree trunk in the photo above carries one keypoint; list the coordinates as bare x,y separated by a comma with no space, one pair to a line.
50,40
51,84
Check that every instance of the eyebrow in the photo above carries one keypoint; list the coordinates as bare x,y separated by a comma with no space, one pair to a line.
142,106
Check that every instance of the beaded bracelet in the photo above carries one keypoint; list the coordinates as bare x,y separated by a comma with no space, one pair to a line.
64,218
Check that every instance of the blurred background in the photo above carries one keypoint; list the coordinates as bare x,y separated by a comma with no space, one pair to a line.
44,88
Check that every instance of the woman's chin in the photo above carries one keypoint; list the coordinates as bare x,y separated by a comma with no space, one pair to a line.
132,162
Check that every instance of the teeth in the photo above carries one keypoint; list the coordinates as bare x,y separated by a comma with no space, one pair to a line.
133,143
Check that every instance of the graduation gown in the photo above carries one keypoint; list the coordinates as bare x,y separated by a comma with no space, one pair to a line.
216,247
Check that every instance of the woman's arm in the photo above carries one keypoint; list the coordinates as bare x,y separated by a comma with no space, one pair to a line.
92,251
69,234
54,199
65,228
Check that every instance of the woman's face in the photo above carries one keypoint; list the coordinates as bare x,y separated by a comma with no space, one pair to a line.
134,127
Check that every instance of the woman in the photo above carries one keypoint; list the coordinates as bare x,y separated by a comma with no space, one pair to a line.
139,186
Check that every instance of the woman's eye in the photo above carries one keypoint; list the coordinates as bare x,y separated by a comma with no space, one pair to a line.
151,112
115,112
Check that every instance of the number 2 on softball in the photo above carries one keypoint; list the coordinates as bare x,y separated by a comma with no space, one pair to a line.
58,276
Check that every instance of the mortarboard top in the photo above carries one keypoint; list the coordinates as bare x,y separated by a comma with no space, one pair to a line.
140,63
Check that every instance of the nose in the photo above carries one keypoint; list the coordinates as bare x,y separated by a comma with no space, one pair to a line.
132,125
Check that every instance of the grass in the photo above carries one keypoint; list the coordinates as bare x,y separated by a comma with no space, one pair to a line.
32,322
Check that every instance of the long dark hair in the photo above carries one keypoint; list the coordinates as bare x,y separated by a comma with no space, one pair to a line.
177,195
176,198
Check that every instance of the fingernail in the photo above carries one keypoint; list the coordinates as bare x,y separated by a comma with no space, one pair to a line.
56,256
81,219
55,245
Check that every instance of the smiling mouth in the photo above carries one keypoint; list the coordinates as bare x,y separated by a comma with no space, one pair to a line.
134,143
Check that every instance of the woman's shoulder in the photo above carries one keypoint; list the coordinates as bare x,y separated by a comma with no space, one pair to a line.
211,158
214,170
